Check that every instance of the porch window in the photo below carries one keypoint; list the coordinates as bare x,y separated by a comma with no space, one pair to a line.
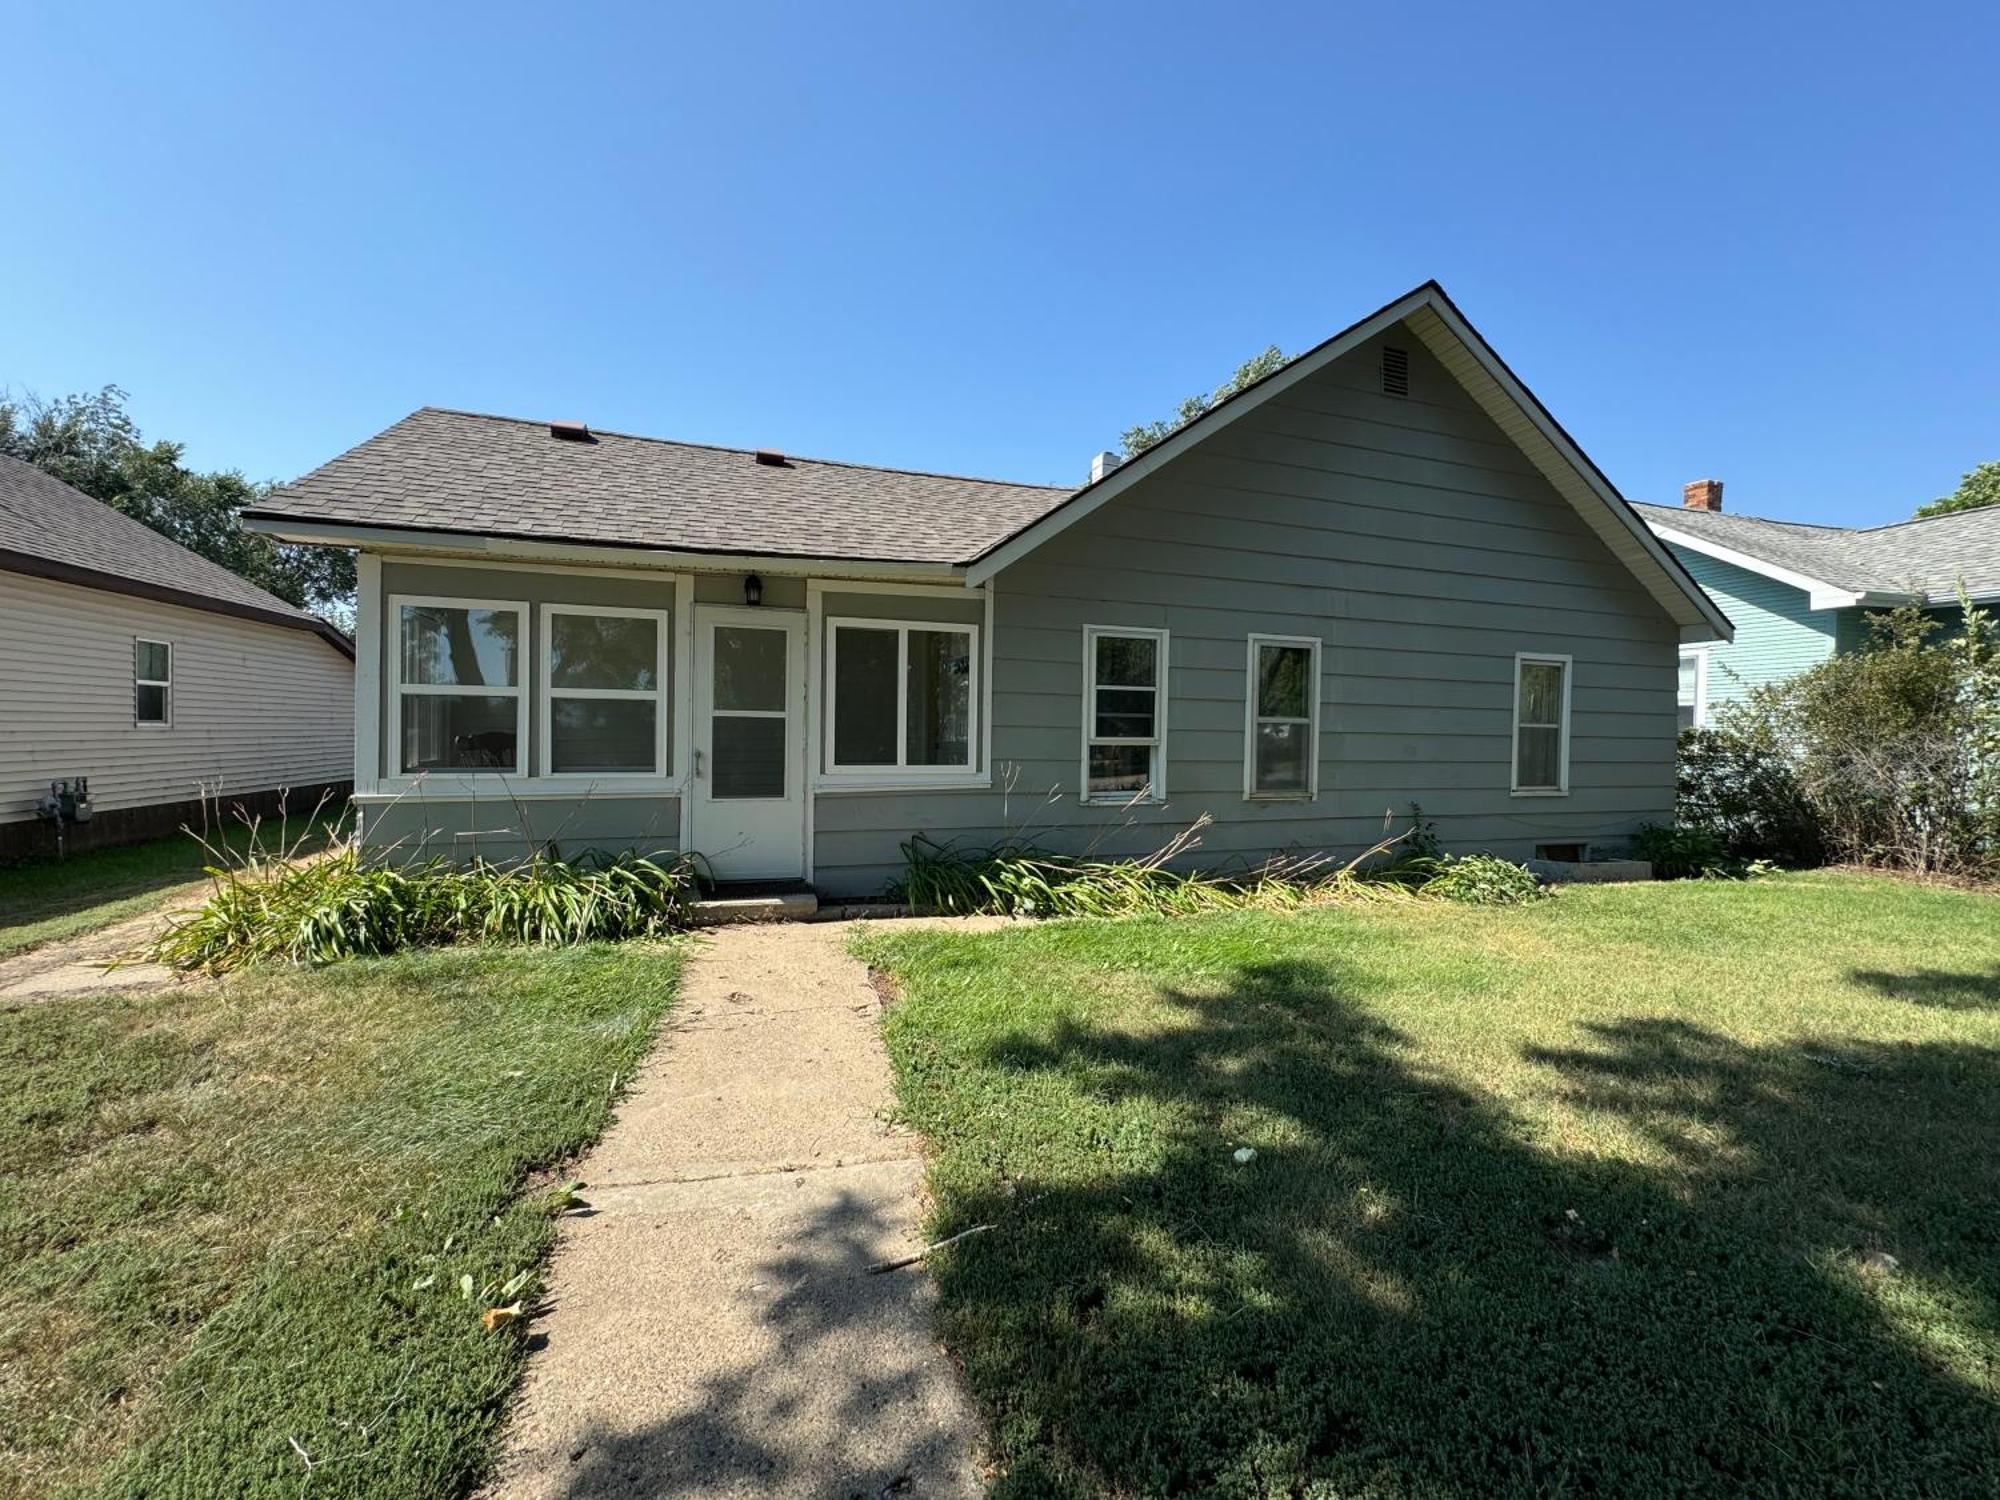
152,682
1281,753
900,698
1541,725
604,674
457,690
1124,714
1691,696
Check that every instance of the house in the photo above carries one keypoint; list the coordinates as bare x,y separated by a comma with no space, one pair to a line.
1799,594
1383,575
161,678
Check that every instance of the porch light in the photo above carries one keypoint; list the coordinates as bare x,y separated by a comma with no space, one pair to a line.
753,589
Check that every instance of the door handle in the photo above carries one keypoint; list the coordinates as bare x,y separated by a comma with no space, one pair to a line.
697,765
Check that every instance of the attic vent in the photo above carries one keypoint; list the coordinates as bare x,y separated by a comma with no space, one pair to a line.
570,432
1395,371
771,458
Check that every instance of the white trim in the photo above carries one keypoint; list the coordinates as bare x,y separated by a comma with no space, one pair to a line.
831,772
1156,790
1819,593
1700,705
1561,789
1251,718
165,684
547,692
797,623
368,615
518,691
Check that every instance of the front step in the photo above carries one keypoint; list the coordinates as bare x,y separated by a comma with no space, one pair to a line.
756,901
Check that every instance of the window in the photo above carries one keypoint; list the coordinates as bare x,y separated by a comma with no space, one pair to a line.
1541,725
152,682
603,679
457,685
899,699
1124,714
1692,693
1281,753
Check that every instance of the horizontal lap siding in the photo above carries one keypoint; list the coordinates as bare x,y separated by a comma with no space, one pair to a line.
255,707
1778,633
1424,550
413,828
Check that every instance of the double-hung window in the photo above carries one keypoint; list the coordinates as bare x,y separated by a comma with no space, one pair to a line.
604,677
1691,694
1281,728
152,682
1541,725
901,700
457,686
1124,714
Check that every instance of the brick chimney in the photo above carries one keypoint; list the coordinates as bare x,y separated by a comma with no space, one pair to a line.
1703,494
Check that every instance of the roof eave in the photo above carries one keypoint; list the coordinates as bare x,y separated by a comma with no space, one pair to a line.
1821,593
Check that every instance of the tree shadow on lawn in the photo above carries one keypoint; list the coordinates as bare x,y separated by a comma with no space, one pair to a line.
1940,989
1406,1292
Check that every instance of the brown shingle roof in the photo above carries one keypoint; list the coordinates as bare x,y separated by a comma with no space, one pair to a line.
454,471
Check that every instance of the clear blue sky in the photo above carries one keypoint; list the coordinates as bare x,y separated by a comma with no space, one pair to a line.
1757,242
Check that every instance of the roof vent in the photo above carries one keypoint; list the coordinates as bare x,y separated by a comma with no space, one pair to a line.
771,458
1395,371
570,432
1103,464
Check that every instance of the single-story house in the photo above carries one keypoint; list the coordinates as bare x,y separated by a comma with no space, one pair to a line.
1381,576
162,679
1799,594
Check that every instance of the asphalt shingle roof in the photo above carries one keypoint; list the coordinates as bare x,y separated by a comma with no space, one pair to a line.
45,520
452,471
1929,556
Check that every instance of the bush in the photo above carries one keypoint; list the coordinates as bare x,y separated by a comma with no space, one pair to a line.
1678,852
1743,801
1481,880
339,907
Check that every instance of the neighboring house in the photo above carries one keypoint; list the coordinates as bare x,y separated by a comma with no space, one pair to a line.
164,679
1381,575
1799,594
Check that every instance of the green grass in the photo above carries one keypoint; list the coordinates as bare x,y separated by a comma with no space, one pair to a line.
1585,1197
47,900
236,1217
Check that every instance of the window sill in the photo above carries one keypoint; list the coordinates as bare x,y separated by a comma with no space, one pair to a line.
1281,796
960,783
1547,791
1121,801
505,786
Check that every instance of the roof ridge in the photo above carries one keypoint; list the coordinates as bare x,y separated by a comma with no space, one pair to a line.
1741,515
831,463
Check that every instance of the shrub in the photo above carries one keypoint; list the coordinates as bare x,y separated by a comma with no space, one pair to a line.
1481,880
1676,851
1743,797
341,907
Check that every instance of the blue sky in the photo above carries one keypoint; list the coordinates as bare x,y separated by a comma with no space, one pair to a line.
1757,242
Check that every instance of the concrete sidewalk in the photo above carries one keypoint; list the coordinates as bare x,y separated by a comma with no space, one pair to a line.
713,1329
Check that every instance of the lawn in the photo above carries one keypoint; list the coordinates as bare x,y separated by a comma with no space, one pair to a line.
46,900
248,1230
1648,1190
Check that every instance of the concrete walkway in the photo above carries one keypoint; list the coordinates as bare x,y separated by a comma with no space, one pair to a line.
713,1330
85,963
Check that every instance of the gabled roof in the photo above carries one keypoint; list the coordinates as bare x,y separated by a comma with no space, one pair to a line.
1844,566
51,530
458,472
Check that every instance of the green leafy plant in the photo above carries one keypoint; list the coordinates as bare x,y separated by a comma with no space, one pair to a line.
1740,793
1676,851
1481,880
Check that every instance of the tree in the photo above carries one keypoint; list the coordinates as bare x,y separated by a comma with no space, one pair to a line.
1138,439
1977,489
92,443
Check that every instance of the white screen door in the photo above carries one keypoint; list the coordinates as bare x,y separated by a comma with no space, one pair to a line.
749,767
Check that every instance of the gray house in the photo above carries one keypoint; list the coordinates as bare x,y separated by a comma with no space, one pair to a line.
1382,575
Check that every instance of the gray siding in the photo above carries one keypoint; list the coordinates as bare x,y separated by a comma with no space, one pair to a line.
1423,549
411,828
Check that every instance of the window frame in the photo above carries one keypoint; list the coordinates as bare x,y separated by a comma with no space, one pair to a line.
900,773
166,719
1157,743
546,692
1514,725
1252,719
1700,655
524,665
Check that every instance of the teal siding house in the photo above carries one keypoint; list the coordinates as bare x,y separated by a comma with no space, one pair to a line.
1798,594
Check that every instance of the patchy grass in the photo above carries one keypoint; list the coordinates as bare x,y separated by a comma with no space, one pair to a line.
1645,1190
235,1218
45,901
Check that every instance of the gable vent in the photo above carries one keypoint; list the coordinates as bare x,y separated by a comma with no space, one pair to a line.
1395,371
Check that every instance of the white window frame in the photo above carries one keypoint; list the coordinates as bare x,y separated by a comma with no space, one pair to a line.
547,692
1158,741
899,772
523,665
1540,658
1251,719
1700,655
166,720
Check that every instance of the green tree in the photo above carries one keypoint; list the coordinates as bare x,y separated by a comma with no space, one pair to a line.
1138,439
91,442
1977,489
